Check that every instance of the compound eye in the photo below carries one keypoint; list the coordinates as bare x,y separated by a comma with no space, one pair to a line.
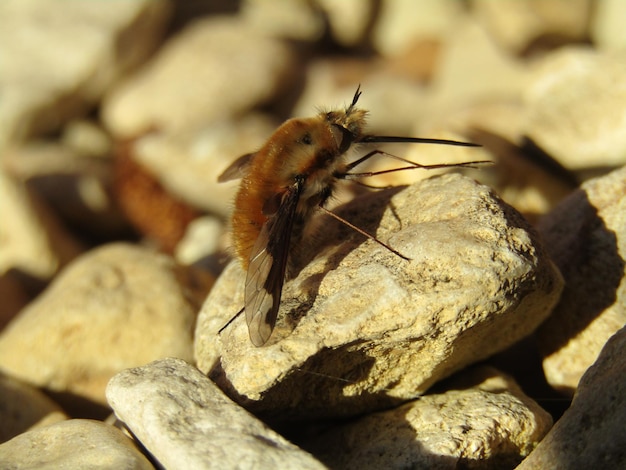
343,137
306,139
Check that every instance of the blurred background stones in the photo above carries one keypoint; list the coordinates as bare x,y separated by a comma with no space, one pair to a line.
115,122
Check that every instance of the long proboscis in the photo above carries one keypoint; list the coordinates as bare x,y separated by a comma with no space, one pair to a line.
370,139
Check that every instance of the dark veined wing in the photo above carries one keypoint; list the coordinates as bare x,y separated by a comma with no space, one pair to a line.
266,270
237,169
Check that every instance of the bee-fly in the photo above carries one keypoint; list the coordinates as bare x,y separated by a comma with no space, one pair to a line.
282,184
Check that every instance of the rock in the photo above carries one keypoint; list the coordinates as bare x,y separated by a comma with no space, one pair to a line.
59,59
575,103
349,21
361,329
607,31
213,70
34,242
77,186
591,432
517,25
73,444
87,138
155,213
118,306
472,69
489,423
185,421
202,240
400,23
586,238
24,408
188,162
292,19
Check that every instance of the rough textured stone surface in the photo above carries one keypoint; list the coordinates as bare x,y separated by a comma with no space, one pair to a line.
193,91
386,328
23,408
575,107
591,432
185,421
119,306
58,59
486,422
586,237
74,444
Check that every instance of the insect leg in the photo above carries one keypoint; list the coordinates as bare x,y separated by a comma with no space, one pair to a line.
363,232
219,332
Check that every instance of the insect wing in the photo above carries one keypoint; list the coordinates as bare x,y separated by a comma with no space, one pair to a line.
266,270
237,169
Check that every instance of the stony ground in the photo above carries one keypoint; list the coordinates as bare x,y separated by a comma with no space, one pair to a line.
497,344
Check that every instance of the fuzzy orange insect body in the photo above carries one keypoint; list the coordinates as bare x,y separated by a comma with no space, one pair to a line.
290,177
309,150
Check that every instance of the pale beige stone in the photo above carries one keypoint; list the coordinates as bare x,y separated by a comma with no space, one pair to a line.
213,70
203,238
118,306
76,185
293,19
58,59
33,241
486,422
349,20
473,69
515,25
188,162
591,432
185,421
400,23
576,107
607,26
388,328
586,238
73,444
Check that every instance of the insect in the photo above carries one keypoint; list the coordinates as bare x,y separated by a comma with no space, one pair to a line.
282,185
